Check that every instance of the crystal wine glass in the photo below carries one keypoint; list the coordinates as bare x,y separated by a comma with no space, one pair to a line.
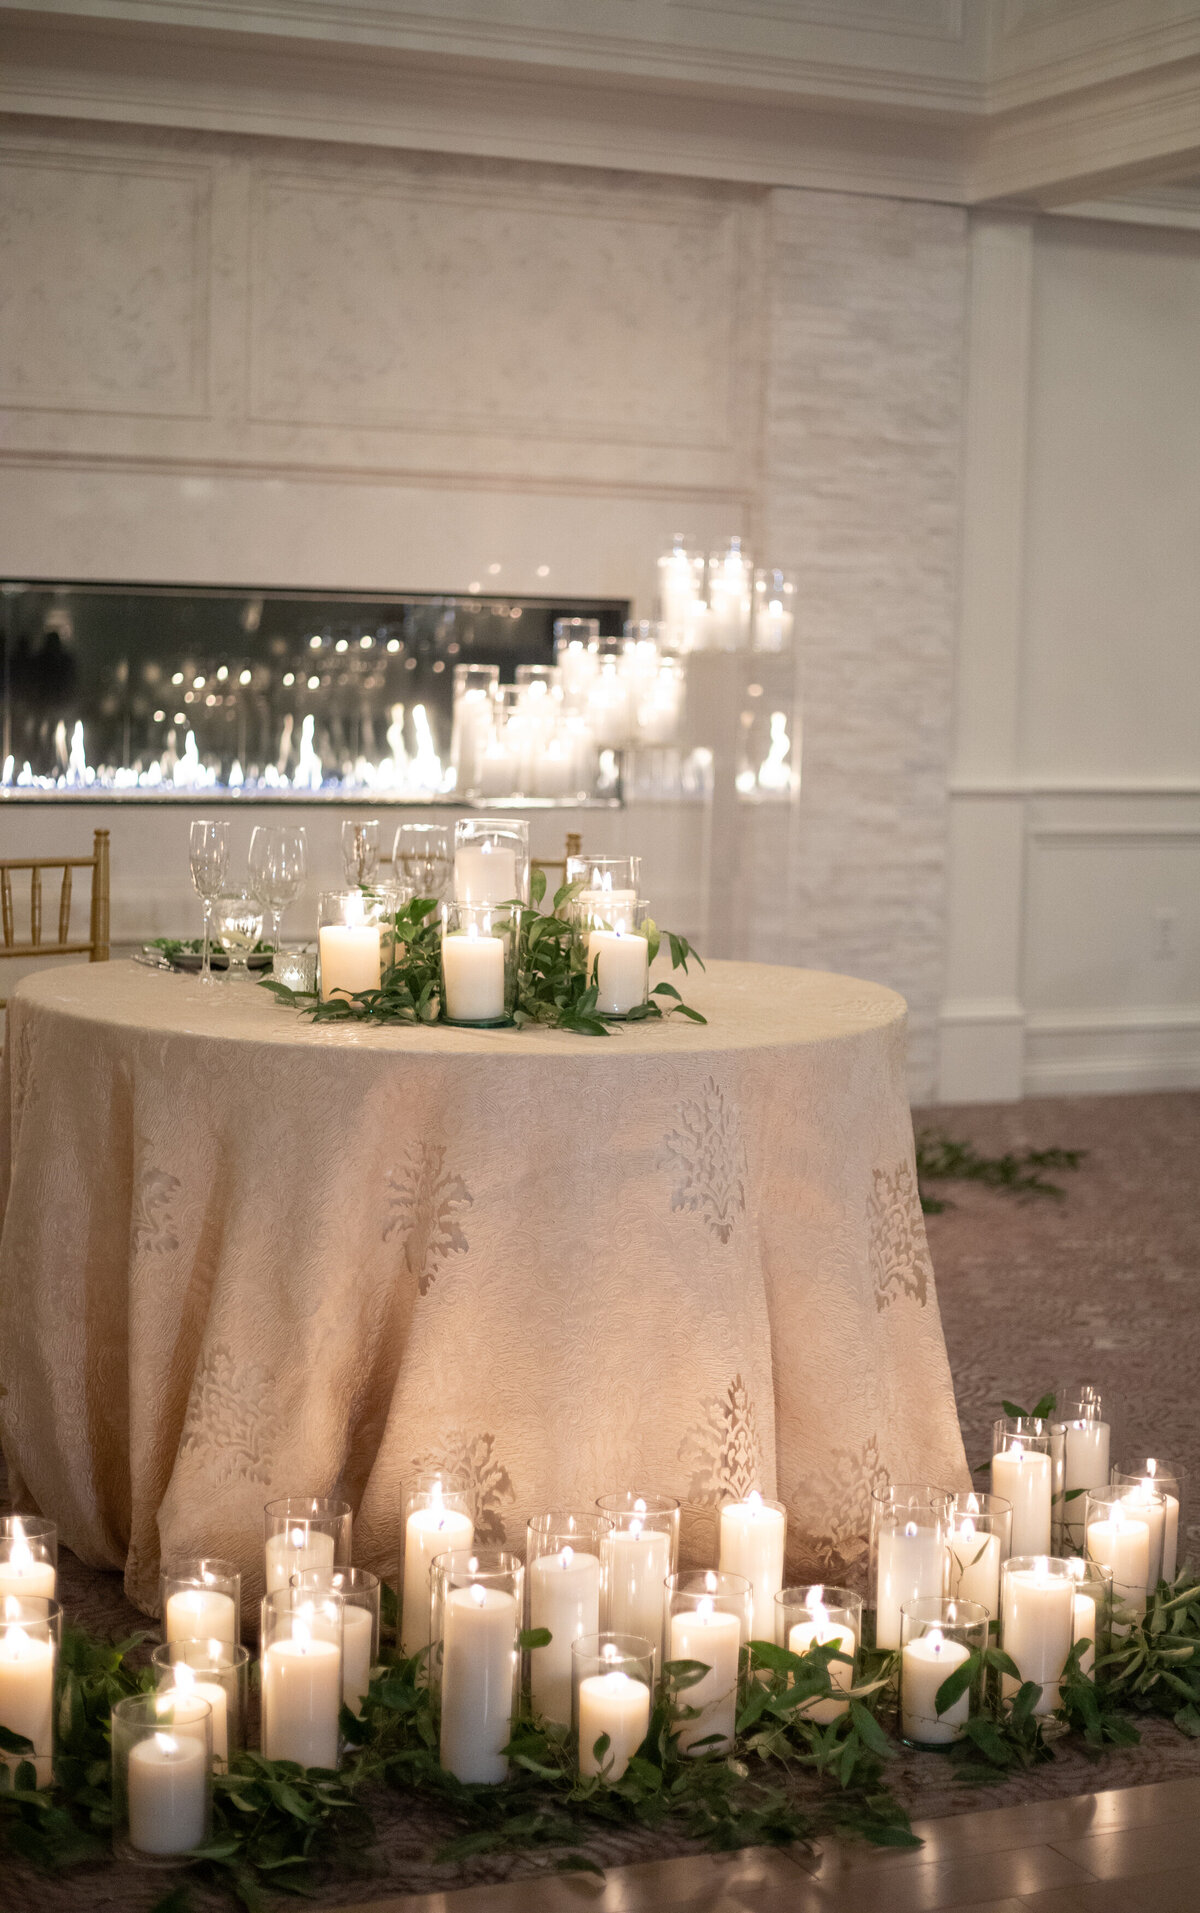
278,867
424,858
208,854
238,922
360,851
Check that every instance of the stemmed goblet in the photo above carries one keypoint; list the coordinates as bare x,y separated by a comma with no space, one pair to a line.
278,867
208,855
423,855
360,851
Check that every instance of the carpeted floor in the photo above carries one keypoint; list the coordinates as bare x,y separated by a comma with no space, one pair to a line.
1103,1286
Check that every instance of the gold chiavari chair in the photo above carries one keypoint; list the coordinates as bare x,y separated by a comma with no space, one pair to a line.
574,849
95,947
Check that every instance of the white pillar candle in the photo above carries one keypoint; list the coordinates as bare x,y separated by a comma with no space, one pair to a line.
610,906
637,1562
819,1631
1170,1537
1037,1630
617,1705
706,1633
27,1695
752,1545
620,962
167,1792
1083,1628
1022,1476
1122,1543
1146,1504
485,873
301,1699
357,1630
428,1532
21,1572
564,1595
473,969
297,1548
201,1614
973,1558
351,958
925,1664
478,1663
911,1565
1085,1465
187,1686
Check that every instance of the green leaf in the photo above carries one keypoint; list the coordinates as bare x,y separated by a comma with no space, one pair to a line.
531,1637
956,1684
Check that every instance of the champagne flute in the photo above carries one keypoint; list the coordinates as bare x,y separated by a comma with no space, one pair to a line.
278,867
208,854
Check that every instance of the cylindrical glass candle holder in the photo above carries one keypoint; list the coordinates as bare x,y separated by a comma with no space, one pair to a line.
1123,1536
296,969
753,1539
608,888
1023,1475
491,860
359,1591
638,1554
1092,1610
978,1541
215,1671
478,1601
1037,1622
479,964
612,1691
161,1777
305,1531
708,1619
438,1519
301,1676
1154,1475
1080,1452
774,609
28,1556
937,1636
822,1616
30,1641
200,1599
576,648
354,939
474,685
564,1582
907,1552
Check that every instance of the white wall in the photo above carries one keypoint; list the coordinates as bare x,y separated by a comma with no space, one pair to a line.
1074,929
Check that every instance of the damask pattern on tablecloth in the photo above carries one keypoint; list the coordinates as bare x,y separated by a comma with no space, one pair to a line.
231,1427
724,1449
469,1462
423,1204
706,1156
829,1541
899,1253
152,1226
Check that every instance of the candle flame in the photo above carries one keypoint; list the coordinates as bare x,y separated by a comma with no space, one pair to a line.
166,1743
609,1652
208,1577
12,1608
298,1537
473,1565
936,1639
754,1501
635,1528
910,1530
479,1594
705,1609
1151,1467
1076,1568
185,1680
1016,1450
710,1581
816,1595
639,1506
214,1651
966,1526
566,1557
301,1633
20,1557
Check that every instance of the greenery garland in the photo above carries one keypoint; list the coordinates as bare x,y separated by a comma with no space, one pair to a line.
553,985
274,1822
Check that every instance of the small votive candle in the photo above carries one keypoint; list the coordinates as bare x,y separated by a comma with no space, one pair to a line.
753,1541
612,1679
162,1787
937,1636
301,1677
216,1671
1155,1476
28,1556
200,1599
822,1616
709,1619
304,1531
350,942
437,1520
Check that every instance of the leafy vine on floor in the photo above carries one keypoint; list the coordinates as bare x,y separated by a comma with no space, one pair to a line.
1019,1172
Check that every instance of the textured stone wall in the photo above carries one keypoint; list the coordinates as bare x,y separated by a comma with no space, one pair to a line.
861,496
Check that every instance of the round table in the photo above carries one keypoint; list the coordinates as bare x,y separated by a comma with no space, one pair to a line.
245,1256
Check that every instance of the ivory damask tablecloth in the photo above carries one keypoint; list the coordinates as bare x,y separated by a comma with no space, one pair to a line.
245,1256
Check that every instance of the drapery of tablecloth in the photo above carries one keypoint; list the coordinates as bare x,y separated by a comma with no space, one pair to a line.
245,1256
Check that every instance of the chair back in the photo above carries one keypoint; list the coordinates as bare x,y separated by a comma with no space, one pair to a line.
95,945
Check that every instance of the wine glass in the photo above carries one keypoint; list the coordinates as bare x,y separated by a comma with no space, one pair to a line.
424,858
238,922
360,851
208,854
278,867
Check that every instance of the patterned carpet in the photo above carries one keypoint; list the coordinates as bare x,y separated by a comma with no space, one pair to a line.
1102,1286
